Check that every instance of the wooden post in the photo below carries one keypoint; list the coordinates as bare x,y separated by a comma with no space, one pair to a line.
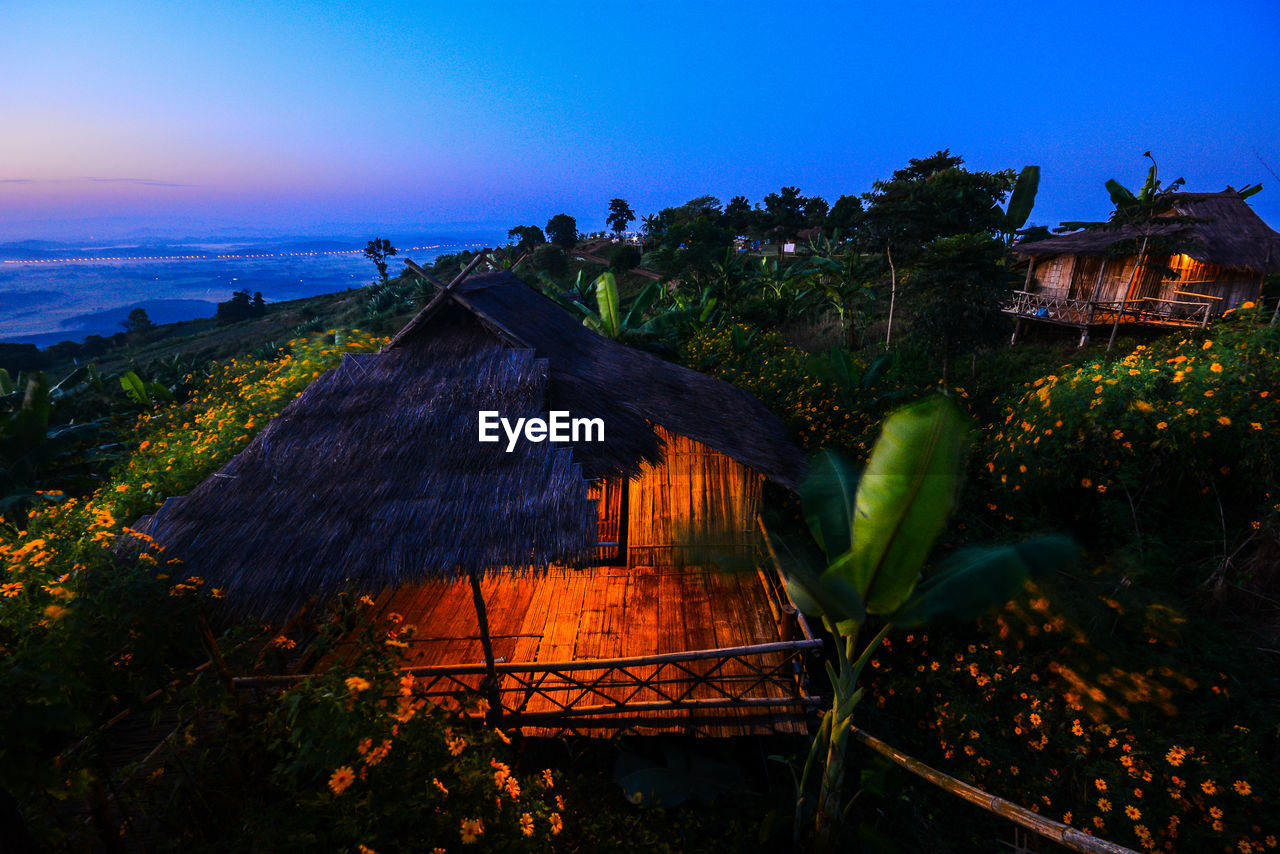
1137,265
1017,327
1102,270
490,688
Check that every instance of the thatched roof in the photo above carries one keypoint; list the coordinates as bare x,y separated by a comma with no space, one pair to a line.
373,477
1229,234
594,376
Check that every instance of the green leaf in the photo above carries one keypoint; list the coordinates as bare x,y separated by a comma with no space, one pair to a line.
826,595
1023,198
1250,190
1120,195
973,580
607,302
135,388
6,382
641,304
904,497
827,497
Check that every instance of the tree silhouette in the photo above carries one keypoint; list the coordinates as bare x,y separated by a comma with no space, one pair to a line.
620,215
378,251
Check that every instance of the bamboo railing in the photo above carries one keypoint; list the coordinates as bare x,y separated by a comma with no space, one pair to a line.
1070,311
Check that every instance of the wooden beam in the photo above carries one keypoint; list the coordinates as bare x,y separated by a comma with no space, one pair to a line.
1062,834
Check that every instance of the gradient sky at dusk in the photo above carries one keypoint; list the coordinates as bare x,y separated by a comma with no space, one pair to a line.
294,117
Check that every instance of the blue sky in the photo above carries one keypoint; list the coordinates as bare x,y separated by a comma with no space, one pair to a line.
297,117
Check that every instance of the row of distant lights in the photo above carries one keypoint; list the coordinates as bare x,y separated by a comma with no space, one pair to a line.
214,257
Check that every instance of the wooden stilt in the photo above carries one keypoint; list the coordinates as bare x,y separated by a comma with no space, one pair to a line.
491,674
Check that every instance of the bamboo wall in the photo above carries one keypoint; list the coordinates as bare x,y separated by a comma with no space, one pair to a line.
1053,275
696,500
1077,276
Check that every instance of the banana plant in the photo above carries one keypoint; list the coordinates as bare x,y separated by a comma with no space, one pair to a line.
876,530
144,394
36,455
609,318
1022,200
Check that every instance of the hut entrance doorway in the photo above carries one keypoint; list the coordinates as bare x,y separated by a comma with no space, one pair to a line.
611,526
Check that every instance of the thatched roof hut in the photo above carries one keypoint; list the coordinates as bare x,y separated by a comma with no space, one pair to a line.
1226,233
1210,256
373,477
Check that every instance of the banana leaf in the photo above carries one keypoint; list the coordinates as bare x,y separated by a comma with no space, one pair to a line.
904,497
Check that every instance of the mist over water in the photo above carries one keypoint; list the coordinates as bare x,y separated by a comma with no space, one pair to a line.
51,292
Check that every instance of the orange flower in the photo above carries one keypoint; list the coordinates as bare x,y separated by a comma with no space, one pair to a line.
526,824
1242,787
471,829
1133,812
355,684
1208,787
342,779
556,824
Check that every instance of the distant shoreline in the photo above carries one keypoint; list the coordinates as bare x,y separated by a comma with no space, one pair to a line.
67,291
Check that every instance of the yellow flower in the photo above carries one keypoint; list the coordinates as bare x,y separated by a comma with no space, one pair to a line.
355,684
471,830
342,779
1104,805
1133,812
1216,368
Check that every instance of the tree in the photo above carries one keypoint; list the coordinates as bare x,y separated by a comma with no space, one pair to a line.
935,197
626,258
527,237
620,215
562,230
378,251
960,285
739,216
784,211
844,214
241,306
137,321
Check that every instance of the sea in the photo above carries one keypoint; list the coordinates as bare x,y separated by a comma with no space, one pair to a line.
59,291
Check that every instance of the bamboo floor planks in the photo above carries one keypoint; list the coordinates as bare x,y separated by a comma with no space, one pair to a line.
608,612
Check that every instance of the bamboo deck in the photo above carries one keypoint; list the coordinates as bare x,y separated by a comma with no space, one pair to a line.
579,618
